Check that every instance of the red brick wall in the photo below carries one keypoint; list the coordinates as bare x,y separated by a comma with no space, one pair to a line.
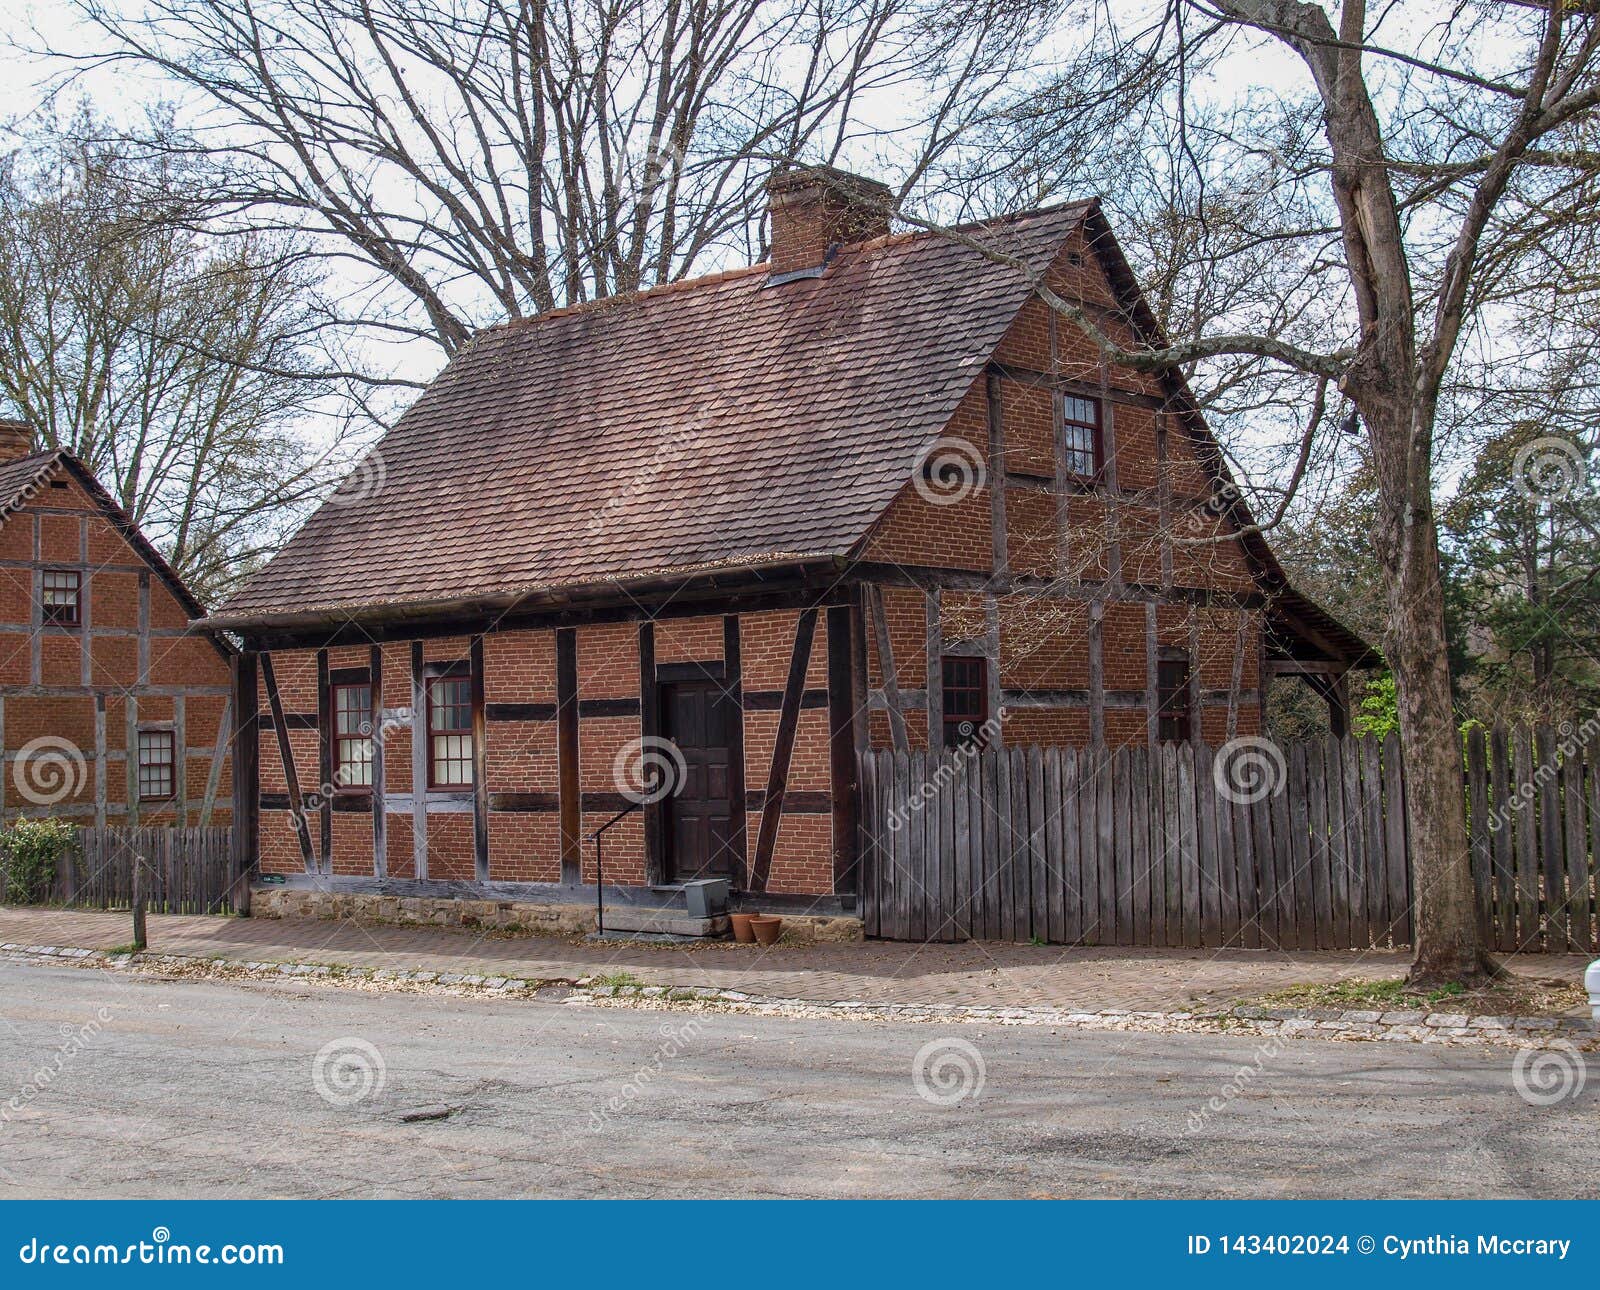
1077,536
52,678
520,668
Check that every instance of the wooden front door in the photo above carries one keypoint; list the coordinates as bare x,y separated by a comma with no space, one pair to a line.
697,821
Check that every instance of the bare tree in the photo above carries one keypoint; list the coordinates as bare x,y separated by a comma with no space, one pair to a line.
494,158
1445,140
177,366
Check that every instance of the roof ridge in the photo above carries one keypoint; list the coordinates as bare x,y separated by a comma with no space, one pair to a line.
724,275
628,297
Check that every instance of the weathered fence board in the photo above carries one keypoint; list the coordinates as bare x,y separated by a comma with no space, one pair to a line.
1165,847
181,871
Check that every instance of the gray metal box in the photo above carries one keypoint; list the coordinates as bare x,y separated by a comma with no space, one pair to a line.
706,897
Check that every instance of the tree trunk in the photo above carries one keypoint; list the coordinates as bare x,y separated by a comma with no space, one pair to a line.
1444,905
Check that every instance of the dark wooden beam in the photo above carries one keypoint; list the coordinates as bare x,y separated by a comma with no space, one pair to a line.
567,755
733,682
297,812
325,761
650,729
842,774
782,750
246,764
1097,675
480,762
860,692
380,810
419,764
1001,562
891,681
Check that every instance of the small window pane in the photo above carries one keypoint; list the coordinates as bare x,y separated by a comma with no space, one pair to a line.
1080,435
450,732
965,686
61,589
352,728
1174,713
156,765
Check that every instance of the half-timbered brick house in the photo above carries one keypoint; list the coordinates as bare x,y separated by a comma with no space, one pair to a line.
870,493
112,710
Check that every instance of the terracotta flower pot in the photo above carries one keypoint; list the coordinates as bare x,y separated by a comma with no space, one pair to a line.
741,929
766,927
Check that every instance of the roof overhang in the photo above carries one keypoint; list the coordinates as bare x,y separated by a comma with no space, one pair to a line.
766,583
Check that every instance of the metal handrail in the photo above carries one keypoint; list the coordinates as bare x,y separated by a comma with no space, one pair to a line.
599,866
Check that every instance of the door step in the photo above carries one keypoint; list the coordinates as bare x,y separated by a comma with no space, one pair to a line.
665,922
644,938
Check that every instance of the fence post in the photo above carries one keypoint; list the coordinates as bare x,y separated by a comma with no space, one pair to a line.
138,904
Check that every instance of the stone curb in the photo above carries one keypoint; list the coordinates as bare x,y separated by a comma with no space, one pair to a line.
1244,1019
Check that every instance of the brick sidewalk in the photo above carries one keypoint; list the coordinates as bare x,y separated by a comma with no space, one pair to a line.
976,973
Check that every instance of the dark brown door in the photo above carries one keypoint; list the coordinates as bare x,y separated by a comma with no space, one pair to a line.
697,820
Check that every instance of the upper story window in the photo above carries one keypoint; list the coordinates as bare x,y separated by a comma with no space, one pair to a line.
1081,437
352,734
450,731
965,683
157,765
61,591
1175,708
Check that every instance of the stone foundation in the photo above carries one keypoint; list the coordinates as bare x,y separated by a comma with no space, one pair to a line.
514,917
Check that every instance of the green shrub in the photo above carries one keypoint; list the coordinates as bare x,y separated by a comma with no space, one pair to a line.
30,856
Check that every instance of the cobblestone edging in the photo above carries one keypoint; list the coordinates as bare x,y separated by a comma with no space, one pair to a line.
1287,1023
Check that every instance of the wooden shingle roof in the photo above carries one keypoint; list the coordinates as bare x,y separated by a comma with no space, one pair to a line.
719,423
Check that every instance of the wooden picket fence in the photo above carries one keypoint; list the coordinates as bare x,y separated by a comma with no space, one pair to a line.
1534,800
1298,846
181,871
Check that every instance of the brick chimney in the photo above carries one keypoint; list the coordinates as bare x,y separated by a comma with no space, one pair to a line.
16,439
814,208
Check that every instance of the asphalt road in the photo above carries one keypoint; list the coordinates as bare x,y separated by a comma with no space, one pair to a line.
133,1087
